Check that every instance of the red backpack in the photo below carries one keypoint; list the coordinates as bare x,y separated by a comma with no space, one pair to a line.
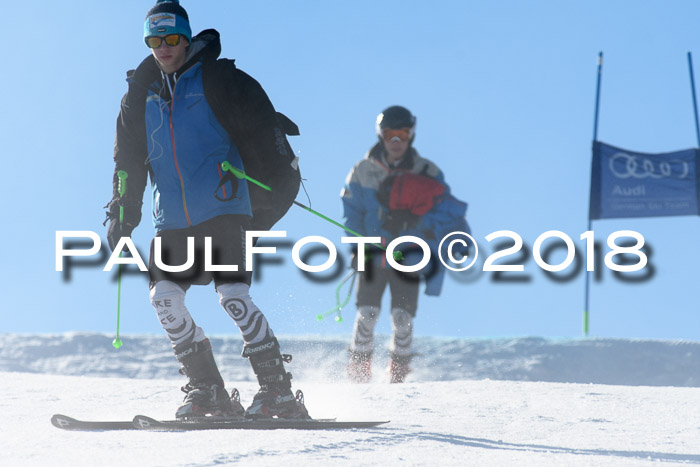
409,192
407,197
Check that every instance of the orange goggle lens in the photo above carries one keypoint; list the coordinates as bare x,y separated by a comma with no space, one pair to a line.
154,42
402,133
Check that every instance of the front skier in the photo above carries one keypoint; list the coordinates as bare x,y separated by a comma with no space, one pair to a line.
186,113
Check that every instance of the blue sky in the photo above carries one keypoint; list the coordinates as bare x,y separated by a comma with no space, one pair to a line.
504,95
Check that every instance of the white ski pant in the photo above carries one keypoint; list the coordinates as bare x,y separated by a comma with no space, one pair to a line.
168,299
366,321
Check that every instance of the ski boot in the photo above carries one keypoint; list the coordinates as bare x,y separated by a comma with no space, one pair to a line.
398,368
205,393
360,367
275,398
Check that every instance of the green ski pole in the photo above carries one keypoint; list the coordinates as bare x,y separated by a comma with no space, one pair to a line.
398,256
226,166
121,189
340,306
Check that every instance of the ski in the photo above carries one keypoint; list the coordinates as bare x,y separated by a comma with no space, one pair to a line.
65,422
143,422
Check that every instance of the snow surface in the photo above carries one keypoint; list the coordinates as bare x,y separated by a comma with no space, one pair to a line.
526,401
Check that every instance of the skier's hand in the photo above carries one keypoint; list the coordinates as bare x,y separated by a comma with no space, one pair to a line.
117,229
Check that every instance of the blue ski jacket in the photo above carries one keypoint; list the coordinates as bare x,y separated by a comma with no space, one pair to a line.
186,147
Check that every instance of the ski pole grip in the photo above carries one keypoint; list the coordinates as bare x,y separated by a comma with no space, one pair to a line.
121,189
122,176
227,167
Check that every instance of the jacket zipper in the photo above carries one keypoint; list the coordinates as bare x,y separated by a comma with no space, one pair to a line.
389,171
177,166
384,242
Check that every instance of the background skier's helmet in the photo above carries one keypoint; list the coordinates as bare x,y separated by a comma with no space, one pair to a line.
396,117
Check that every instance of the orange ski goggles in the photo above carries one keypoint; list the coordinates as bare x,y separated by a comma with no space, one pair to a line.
403,133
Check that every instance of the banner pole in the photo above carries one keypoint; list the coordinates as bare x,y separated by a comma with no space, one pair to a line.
587,294
597,96
587,287
695,101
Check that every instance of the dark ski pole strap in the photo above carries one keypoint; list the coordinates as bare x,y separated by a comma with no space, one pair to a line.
230,179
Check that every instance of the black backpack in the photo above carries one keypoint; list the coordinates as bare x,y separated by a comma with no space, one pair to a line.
260,133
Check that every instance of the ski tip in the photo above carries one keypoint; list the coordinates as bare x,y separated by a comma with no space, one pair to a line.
370,424
62,421
65,422
143,422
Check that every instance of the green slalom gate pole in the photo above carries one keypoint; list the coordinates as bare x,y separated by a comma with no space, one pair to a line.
121,189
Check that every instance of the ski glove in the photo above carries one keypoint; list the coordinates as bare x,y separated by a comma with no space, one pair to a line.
116,229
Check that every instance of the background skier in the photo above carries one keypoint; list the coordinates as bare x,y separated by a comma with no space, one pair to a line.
184,114
390,193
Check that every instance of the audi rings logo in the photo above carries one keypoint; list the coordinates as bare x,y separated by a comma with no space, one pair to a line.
624,165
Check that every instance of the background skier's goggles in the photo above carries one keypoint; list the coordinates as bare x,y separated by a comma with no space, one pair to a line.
403,133
155,42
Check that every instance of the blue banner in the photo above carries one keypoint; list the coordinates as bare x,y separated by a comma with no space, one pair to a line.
635,184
